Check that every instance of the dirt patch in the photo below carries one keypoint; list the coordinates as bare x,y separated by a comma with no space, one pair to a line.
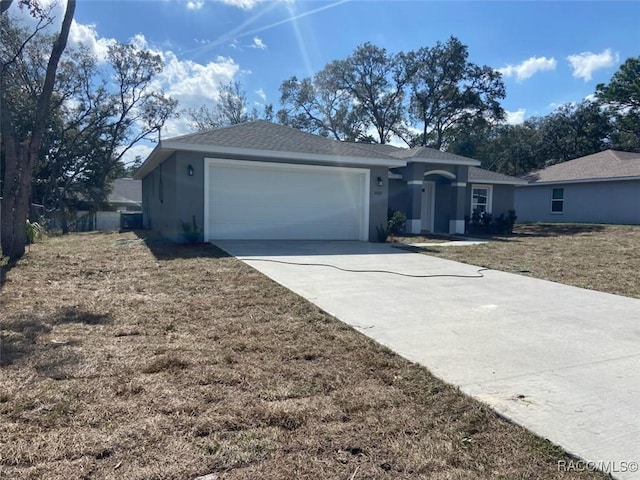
127,357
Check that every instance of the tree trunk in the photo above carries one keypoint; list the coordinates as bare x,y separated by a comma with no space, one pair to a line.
20,156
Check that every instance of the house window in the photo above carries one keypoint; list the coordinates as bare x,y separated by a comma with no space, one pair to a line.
481,198
557,200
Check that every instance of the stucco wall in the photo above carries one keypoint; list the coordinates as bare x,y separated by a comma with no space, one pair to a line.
603,202
443,206
183,196
189,191
379,204
502,199
398,196
158,198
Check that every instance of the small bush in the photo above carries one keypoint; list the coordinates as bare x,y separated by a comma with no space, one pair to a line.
191,232
395,225
34,232
482,222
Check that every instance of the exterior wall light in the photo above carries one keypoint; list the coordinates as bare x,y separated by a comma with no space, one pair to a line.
190,170
379,181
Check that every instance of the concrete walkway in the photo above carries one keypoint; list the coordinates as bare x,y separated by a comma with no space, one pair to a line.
453,243
559,360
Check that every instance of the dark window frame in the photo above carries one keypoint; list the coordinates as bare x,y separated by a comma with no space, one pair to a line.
557,201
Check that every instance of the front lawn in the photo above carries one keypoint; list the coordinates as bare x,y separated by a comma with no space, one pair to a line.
598,257
124,358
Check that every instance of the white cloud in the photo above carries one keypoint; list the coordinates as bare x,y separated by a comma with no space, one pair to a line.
87,37
585,63
245,4
515,118
258,43
193,85
529,67
54,8
139,149
261,94
195,4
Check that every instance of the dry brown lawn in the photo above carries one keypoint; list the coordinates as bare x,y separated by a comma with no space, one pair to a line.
145,360
597,257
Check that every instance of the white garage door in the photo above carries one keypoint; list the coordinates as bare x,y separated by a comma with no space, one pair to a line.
271,201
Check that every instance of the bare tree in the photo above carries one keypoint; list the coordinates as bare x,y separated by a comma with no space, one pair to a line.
231,108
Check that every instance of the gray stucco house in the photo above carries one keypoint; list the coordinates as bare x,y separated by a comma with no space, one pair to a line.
599,188
261,180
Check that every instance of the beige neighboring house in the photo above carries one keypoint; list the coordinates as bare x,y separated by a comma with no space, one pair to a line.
599,188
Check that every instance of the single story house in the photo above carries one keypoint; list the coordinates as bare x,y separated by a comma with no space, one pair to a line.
600,188
125,195
261,180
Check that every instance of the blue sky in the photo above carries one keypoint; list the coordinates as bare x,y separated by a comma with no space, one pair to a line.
549,52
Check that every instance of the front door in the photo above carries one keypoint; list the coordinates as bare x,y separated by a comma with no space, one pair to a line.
428,204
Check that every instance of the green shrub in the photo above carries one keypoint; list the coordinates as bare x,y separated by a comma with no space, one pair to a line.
395,225
34,232
191,232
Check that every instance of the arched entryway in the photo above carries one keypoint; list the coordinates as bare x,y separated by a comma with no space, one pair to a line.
433,180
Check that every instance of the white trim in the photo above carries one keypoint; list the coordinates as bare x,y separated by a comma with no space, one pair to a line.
444,173
458,184
501,182
277,155
431,203
586,180
456,226
395,176
470,162
206,232
489,195
414,182
365,172
415,226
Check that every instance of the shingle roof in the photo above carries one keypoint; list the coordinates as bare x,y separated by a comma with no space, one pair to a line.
598,166
424,153
265,135
383,148
429,154
481,175
126,191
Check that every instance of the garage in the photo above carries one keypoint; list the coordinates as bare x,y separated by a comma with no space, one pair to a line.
285,201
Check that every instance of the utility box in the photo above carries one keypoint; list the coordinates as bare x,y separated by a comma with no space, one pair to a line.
130,221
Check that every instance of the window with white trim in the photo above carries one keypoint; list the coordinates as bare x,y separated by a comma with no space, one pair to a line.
481,198
557,200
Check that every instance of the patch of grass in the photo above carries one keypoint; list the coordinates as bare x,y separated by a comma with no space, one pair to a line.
426,238
598,257
145,360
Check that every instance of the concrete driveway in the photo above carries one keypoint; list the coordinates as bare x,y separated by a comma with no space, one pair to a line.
559,360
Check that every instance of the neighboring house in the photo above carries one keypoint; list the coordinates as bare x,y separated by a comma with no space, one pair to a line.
126,195
599,188
261,180
124,200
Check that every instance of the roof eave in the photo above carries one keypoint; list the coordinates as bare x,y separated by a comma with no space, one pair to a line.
338,159
158,155
497,182
582,180
470,162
